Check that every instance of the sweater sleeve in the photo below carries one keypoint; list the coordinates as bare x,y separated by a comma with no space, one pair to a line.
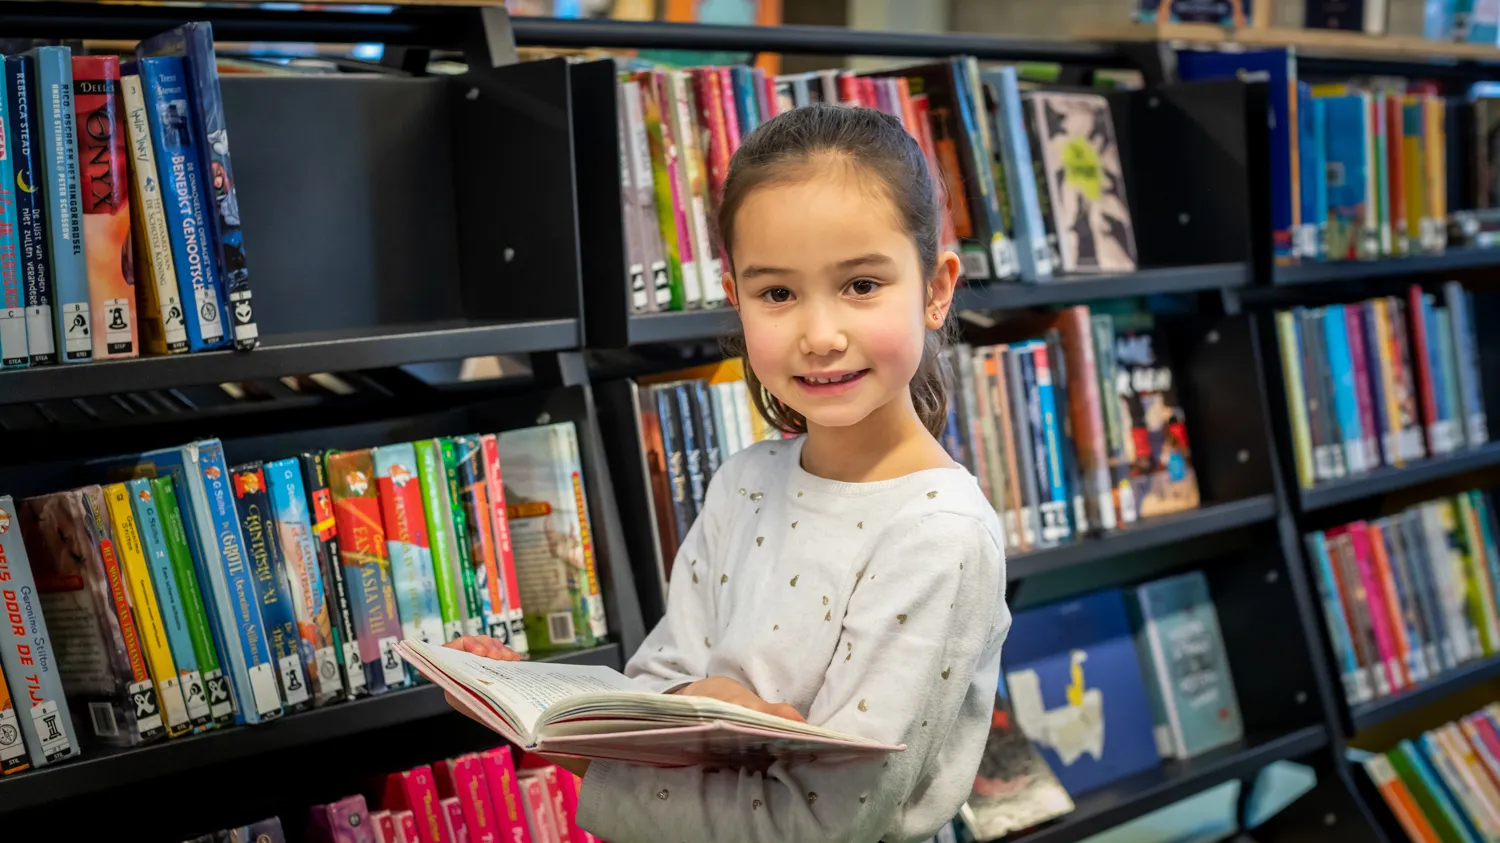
920,638
668,658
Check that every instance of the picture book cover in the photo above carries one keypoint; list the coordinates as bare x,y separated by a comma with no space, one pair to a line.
1087,182
1156,440
406,538
105,190
268,573
1077,692
1014,788
367,567
305,577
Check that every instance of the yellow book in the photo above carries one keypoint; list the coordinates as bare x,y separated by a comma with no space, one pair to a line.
1413,165
1477,568
148,621
1437,171
1387,374
1296,398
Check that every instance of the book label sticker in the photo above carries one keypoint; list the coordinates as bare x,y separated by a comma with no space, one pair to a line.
1003,253
78,342
560,628
171,696
117,326
48,721
263,689
220,701
453,630
196,697
291,679
327,661
473,626
392,668
207,306
174,324
101,715
147,712
13,336
975,263
498,627
353,667
11,747
518,632
39,331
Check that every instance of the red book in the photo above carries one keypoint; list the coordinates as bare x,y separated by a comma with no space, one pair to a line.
553,790
1416,307
105,190
469,785
367,566
867,96
415,790
453,813
505,795
1363,398
406,826
538,807
731,116
771,105
848,89
569,785
1385,580
505,559
1380,609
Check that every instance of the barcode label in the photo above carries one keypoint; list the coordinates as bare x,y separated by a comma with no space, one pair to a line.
1391,440
147,710
353,668
1003,254
1354,456
392,668
661,283
101,715
429,631
497,627
172,322
560,628
473,626
1106,504
976,264
172,705
638,299
196,697
39,332
293,681
327,660
1412,445
52,730
117,326
77,340
518,633
206,304
453,630
1126,497
220,698
263,689
13,350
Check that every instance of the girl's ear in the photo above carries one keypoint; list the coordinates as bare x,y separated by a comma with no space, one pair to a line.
730,292
940,290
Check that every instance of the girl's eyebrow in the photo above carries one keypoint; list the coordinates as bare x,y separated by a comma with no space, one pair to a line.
754,271
873,259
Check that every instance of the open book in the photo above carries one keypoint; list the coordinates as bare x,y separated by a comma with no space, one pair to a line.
596,712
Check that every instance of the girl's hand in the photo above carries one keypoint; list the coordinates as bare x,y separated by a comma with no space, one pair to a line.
483,645
727,690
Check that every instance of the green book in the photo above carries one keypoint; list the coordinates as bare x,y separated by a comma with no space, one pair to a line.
474,611
1448,352
1430,794
1380,164
445,559
220,702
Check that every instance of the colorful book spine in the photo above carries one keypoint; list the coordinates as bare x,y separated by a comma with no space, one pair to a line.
304,575
1052,436
59,155
147,610
658,144
1369,441
505,552
367,565
1430,794
340,613
1356,680
505,794
474,797
1288,341
1399,798
1015,152
15,352
1451,402
26,654
163,326
1375,594
169,599
200,629
268,570
1345,400
179,170
473,607
433,479
479,533
195,43
1466,346
25,149
1405,635
406,536
12,746
105,190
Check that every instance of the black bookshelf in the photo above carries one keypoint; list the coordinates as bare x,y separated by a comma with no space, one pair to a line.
682,325
1452,260
103,769
1387,479
1409,700
1143,793
1144,535
1076,289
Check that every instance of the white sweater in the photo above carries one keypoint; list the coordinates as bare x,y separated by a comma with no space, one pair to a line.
876,609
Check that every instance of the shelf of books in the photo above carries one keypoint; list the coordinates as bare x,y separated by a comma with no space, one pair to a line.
1454,259
1074,289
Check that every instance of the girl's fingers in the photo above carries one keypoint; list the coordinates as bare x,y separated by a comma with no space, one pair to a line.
784,710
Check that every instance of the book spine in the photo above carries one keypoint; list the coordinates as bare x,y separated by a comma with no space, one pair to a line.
1413,444
1287,336
1356,603
12,746
268,572
1404,634
304,577
1414,607
260,666
996,370
433,481
1015,150
15,351
21,103
147,611
1413,549
162,320
1345,394
170,602
571,469
479,535
1052,436
1378,338
1324,442
661,180
1461,311
505,551
1114,426
363,553
26,653
1476,572
473,608
1420,345
1356,680
1446,568
643,179
340,615
694,188
407,539
1365,390
1398,799
1378,605
505,794
473,794
178,170
1030,520
105,190
633,216
200,630
70,285
1452,404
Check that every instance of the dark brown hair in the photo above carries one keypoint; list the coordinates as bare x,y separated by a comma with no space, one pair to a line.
796,144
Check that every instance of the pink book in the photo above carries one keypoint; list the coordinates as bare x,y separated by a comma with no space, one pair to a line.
551,708
453,815
674,174
505,795
1369,417
385,827
1359,538
474,796
344,821
415,790
406,826
505,558
554,790
570,784
538,810
731,117
1486,741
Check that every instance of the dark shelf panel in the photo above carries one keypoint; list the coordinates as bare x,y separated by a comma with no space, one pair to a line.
682,325
1388,479
1451,682
1141,794
1081,288
1144,535
105,769
343,351
1449,261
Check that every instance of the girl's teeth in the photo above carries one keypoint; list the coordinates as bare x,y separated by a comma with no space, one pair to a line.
838,379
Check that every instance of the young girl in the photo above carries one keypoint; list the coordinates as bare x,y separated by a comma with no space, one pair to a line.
852,575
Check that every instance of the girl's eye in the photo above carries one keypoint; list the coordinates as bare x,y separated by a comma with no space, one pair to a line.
863,286
777,295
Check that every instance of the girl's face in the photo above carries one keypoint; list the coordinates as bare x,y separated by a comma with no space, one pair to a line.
834,304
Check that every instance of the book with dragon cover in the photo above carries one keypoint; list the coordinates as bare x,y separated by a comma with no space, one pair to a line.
1081,158
1156,441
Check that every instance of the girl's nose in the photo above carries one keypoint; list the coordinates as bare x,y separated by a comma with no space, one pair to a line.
822,335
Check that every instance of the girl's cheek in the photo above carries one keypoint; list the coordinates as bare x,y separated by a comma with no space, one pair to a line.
892,344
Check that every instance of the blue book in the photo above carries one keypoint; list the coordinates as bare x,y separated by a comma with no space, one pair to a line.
1314,175
1347,151
1387,531
1446,441
194,42
1471,416
1015,152
1452,405
64,204
24,148
692,446
178,167
1388,437
169,600
1345,404
294,522
1356,681
1076,689
1278,68
262,549
745,101
1437,19
1429,595
407,539
1052,514
15,352
1187,669
1057,487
